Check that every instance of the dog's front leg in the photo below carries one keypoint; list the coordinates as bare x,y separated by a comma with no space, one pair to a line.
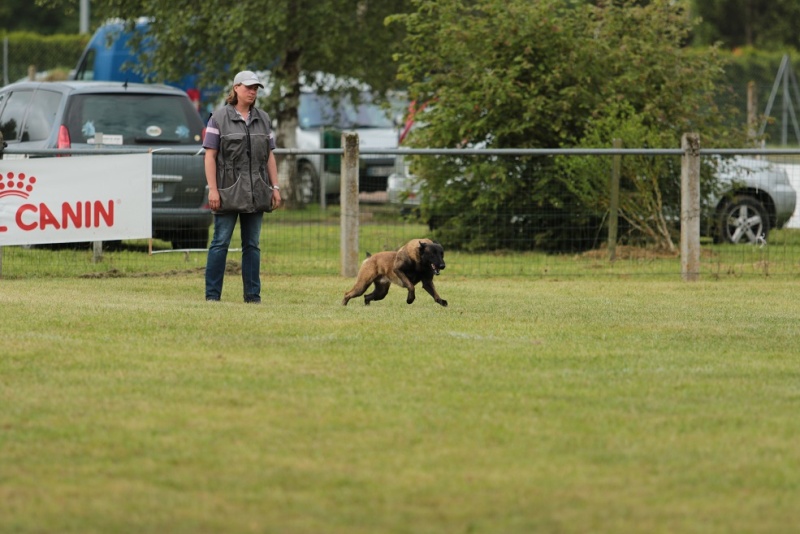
428,286
406,283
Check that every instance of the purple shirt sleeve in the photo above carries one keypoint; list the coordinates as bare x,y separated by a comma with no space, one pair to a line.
211,140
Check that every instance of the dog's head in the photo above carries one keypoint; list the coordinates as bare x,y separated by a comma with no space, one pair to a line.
431,254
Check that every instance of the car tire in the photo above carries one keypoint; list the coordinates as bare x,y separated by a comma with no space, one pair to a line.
309,182
743,219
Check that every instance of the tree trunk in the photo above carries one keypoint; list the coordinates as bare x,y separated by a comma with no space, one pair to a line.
291,192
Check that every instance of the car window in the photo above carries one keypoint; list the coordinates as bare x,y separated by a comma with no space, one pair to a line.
141,119
318,110
85,70
14,113
41,115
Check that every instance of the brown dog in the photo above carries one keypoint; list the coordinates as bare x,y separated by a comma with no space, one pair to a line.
417,261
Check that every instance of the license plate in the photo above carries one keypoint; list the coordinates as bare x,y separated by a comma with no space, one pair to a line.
158,188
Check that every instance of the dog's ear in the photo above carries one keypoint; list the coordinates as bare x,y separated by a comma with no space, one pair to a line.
422,245
368,254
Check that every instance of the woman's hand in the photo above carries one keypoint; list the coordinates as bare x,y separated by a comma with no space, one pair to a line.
213,200
276,198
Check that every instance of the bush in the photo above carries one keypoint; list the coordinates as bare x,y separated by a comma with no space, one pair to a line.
53,55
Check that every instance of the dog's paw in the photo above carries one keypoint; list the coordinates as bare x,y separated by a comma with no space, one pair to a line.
443,302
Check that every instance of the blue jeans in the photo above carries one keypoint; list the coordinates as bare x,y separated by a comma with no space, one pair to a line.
224,224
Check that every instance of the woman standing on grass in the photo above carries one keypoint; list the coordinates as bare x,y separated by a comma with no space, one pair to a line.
242,181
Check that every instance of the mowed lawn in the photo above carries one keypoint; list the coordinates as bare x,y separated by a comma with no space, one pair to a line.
586,405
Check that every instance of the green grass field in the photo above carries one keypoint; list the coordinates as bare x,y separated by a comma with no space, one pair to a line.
611,404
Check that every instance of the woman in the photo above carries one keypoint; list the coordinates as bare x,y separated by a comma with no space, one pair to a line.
242,181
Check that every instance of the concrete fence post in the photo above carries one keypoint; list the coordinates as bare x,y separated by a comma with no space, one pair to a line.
690,207
349,205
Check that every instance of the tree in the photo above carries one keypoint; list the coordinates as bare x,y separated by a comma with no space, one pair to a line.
767,24
24,15
549,74
291,38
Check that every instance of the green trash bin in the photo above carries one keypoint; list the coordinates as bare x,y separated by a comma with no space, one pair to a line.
332,139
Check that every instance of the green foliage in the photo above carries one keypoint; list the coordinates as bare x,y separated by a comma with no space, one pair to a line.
47,17
761,67
767,24
520,74
58,53
649,186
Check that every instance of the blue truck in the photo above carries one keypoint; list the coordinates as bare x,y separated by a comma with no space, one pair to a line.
109,56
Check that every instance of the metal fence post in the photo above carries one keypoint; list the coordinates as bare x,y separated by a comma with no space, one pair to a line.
690,207
613,209
348,246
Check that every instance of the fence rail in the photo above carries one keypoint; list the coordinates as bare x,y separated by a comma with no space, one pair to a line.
309,240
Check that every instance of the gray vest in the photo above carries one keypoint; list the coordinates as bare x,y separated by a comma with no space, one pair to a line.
242,177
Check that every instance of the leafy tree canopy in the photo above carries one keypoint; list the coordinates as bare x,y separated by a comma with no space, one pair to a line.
515,73
552,74
767,24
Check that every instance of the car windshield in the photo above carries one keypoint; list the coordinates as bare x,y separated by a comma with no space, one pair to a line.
134,119
321,110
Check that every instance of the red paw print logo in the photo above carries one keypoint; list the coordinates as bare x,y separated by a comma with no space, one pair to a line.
17,185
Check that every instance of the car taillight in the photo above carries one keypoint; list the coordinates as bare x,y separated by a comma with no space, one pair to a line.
194,96
63,138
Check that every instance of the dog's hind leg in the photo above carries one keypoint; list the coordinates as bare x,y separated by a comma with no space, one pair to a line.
382,286
357,291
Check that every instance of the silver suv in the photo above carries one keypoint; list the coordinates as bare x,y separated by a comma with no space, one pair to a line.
756,197
77,114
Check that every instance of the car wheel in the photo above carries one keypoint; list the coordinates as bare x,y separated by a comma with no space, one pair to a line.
743,220
309,184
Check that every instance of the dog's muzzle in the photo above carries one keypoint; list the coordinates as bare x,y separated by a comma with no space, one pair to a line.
436,269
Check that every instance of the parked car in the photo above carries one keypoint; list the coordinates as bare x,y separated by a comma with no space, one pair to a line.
78,115
404,188
321,120
753,197
756,196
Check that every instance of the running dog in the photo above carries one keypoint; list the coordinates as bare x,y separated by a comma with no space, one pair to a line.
417,261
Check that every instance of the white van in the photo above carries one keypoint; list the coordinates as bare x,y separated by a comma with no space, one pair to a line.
322,119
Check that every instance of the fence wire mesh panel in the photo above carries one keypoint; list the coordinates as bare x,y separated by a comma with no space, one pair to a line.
498,213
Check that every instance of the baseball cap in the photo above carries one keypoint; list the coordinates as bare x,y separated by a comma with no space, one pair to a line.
248,78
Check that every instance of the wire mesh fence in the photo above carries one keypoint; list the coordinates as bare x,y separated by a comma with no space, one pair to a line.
498,213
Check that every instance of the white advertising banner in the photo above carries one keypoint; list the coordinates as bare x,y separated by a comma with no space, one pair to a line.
74,199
